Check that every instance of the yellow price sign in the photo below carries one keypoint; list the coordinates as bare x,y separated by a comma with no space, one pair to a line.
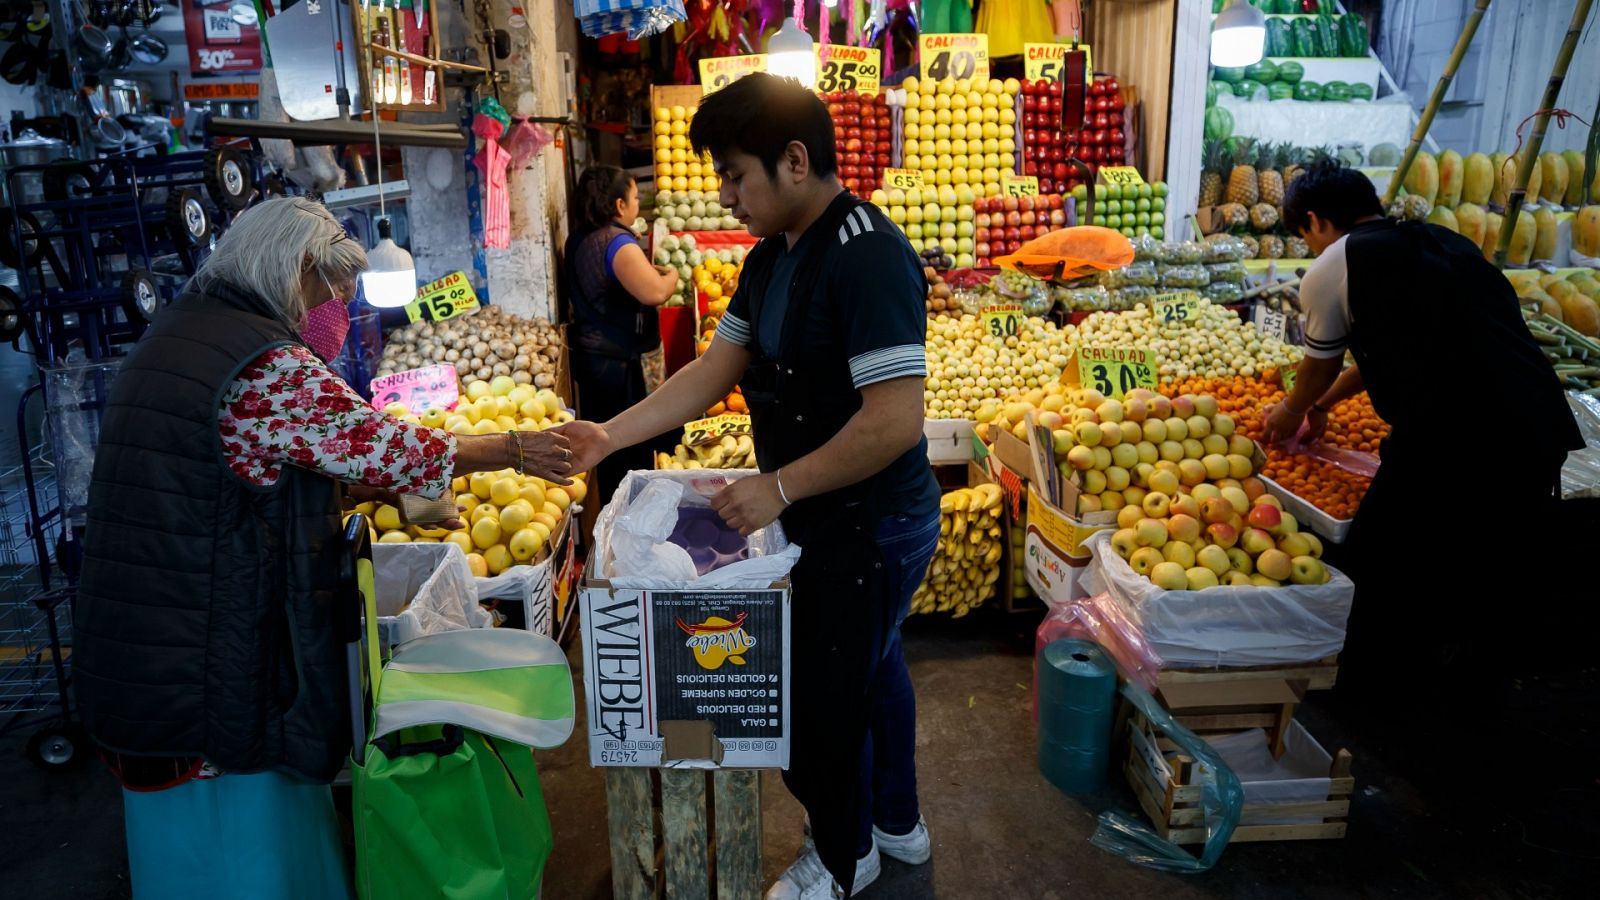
446,298
718,72
1117,370
1177,308
959,57
845,68
1020,185
903,179
706,431
1003,320
1120,175
1046,62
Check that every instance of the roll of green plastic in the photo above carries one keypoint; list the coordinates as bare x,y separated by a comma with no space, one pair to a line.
1077,697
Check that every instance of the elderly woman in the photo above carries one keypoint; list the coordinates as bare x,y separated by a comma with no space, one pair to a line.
208,665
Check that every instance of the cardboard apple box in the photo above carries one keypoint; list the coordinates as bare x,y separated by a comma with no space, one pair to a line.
1055,557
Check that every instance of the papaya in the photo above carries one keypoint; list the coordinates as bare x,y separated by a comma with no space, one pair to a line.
1574,196
1452,171
1544,239
1581,313
1553,175
1478,181
1508,180
1444,218
1497,196
1491,234
1552,278
1523,235
1471,223
1587,286
1547,304
1524,280
1586,231
1422,178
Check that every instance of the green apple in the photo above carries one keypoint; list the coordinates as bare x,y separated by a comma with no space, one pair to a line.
1158,205
1142,205
1100,192
1307,570
1142,218
1158,232
1170,576
1080,193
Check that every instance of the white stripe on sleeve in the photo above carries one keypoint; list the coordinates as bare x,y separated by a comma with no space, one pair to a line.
902,361
733,329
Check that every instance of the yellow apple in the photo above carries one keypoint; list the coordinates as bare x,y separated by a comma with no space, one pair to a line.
1179,552
1169,576
1275,564
1145,559
1199,578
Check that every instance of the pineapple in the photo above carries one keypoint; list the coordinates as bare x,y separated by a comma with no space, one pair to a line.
1234,215
1243,187
1291,162
1268,178
1271,247
1252,248
1417,207
1213,160
1264,216
1295,248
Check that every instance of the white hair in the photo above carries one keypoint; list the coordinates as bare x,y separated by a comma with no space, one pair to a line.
271,245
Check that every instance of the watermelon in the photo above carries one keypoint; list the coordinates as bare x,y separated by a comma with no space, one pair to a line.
1286,7
1362,91
1280,90
1280,41
1219,123
1264,72
1305,38
1248,89
1385,154
1327,36
1212,90
1291,72
1308,90
1230,74
1354,37
1337,91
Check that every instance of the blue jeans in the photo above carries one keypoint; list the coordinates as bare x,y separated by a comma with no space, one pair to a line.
888,759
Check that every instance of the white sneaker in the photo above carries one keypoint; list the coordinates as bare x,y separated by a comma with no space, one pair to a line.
808,879
913,849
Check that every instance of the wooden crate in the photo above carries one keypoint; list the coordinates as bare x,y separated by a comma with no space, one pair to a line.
1316,676
670,95
703,847
1173,802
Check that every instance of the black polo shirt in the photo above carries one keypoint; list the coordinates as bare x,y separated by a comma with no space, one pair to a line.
871,297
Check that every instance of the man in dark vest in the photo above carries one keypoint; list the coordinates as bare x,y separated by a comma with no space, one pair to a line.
825,335
1466,456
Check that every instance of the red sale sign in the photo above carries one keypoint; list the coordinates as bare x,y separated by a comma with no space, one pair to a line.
218,43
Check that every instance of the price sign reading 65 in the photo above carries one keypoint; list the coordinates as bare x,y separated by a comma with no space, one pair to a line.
1118,370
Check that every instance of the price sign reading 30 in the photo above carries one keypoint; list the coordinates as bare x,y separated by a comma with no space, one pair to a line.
1118,370
1003,320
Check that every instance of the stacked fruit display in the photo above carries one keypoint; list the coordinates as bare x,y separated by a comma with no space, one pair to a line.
492,407
681,252
941,299
729,452
489,343
1245,181
966,564
1215,343
693,211
1211,268
1137,210
1269,81
677,166
1004,224
1210,535
961,132
1047,148
970,369
863,137
938,219
717,278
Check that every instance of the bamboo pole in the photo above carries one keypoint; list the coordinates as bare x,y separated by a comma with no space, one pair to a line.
1439,90
1591,156
1530,151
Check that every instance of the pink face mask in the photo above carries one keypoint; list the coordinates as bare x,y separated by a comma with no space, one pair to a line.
326,326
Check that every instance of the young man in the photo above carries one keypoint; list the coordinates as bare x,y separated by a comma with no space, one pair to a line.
825,334
1412,303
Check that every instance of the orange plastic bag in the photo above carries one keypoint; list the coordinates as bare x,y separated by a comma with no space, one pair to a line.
1067,253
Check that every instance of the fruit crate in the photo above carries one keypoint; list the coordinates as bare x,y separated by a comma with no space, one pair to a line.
1335,530
1307,799
687,804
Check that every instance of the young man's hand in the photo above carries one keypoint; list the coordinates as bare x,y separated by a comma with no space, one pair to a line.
1281,423
750,503
588,441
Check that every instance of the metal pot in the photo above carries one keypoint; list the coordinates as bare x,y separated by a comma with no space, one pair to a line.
147,49
30,149
123,96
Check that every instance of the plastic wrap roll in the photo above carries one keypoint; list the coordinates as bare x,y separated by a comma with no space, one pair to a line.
1077,696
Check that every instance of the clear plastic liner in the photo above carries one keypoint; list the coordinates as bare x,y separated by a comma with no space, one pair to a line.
1101,620
1580,477
1221,802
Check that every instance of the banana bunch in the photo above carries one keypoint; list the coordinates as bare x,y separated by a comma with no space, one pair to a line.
730,452
966,565
1019,559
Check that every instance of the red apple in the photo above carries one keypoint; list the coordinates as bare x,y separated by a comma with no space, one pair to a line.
981,235
981,247
1058,218
1013,235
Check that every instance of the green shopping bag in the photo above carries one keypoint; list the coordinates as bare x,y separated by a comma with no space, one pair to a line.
447,797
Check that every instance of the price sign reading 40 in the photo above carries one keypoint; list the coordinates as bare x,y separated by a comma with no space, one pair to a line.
1002,321
446,298
844,68
959,57
1179,308
705,431
1116,371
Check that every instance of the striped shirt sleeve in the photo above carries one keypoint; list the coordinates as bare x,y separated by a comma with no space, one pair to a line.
734,326
881,294
1325,297
890,362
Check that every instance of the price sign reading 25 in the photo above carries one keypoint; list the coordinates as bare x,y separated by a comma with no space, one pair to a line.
1175,308
1116,371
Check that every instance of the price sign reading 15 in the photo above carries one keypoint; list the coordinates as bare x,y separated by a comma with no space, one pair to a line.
1178,308
446,298
1116,371
1002,321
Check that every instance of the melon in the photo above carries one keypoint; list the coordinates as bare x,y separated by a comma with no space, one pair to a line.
1586,231
1553,175
1477,182
1444,218
1452,171
1574,195
1544,239
1422,178
1471,223
1384,154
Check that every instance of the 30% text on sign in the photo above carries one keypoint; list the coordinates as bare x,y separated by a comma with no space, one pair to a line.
705,431
1115,371
446,298
1002,320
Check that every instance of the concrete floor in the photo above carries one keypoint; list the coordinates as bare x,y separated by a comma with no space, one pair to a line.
1000,830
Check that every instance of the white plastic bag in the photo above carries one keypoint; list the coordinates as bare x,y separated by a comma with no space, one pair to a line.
425,589
1227,626
1301,775
631,547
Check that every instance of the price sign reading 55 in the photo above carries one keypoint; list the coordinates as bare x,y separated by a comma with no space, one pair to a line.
1002,321
1116,371
1020,185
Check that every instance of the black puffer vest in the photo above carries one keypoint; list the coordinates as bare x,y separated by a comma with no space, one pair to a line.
205,622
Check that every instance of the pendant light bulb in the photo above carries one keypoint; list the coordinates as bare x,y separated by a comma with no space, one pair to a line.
1238,35
791,54
391,276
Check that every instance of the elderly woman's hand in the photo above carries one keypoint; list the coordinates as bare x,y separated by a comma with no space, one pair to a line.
546,454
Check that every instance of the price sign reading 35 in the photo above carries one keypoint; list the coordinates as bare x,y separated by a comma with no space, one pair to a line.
844,68
1116,371
1002,321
